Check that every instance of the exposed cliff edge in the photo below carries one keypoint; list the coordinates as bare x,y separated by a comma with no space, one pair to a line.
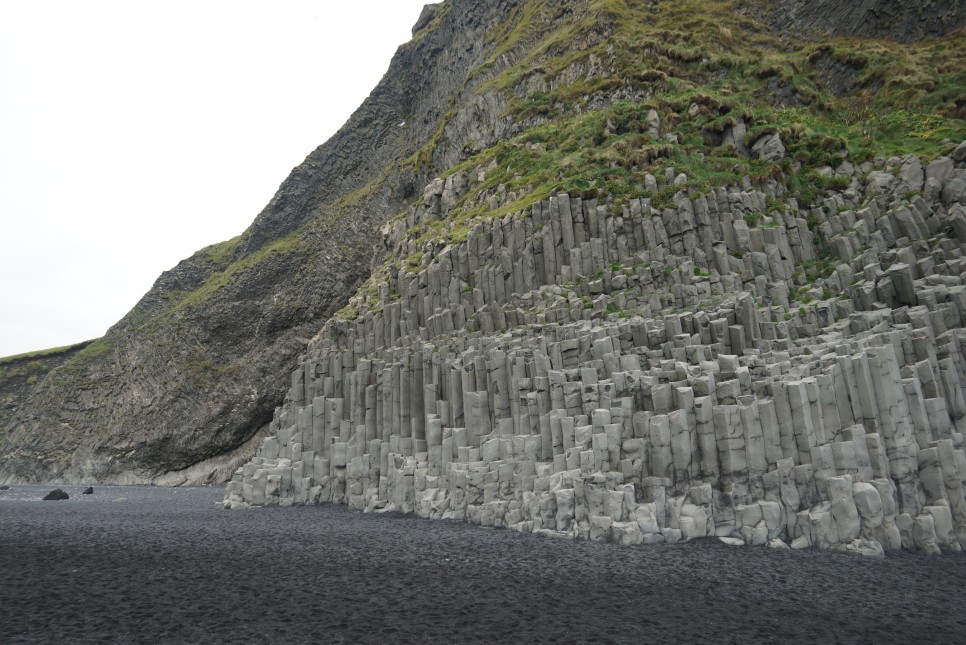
19,374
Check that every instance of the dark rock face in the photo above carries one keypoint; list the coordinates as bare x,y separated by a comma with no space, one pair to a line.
56,495
19,375
839,78
425,17
899,20
181,380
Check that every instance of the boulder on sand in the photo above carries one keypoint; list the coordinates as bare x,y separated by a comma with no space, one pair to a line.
55,495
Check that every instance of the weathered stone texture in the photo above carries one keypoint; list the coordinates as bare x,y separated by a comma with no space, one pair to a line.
565,371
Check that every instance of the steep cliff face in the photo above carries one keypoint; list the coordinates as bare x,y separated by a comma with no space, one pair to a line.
900,20
198,365
708,282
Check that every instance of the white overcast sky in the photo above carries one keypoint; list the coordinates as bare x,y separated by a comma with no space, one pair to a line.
135,133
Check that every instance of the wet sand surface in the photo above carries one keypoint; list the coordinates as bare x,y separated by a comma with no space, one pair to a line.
155,565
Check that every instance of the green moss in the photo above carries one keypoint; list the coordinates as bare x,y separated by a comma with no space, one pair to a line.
204,368
222,252
348,313
220,278
822,267
95,351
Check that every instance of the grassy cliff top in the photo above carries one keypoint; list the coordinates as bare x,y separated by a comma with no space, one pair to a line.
586,75
583,82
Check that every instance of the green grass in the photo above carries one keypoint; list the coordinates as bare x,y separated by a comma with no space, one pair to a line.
219,279
96,350
704,53
53,351
222,253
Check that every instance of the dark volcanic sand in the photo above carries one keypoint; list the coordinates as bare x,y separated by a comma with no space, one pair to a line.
168,565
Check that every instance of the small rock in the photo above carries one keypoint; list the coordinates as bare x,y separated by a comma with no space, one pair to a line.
88,491
4,488
866,548
735,136
959,154
732,541
653,123
801,542
769,148
954,191
940,169
924,533
671,536
911,173
778,543
880,183
55,495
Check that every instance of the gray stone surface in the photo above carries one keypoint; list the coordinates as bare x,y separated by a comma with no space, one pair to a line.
837,425
769,148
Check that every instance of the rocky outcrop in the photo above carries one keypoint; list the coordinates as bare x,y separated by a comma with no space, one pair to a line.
426,16
20,374
626,373
56,495
899,20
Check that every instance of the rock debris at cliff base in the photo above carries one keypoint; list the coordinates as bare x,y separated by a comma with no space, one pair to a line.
571,370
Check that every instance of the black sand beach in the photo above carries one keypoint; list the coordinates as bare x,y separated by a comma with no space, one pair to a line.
155,565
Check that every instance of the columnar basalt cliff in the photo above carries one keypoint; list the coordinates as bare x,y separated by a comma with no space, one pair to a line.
569,370
715,357
637,272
